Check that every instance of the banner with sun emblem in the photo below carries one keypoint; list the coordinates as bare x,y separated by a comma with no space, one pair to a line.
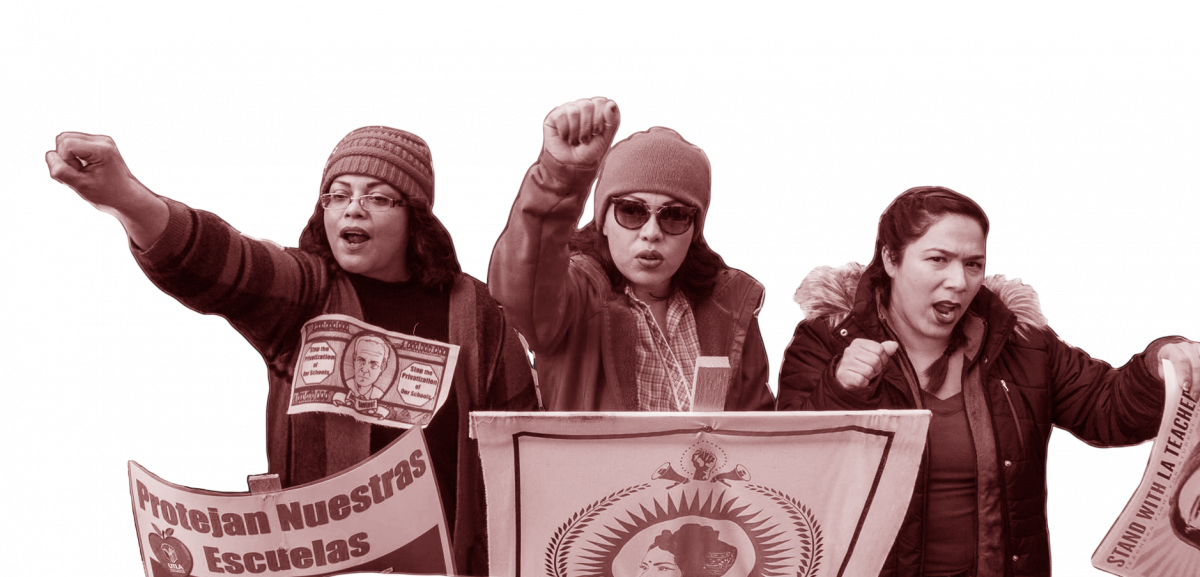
696,494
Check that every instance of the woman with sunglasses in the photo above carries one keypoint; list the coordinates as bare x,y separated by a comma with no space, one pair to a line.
922,328
620,313
372,250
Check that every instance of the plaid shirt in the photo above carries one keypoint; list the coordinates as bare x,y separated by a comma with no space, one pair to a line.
666,360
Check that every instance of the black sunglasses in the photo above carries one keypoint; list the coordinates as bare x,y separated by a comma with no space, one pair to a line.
633,214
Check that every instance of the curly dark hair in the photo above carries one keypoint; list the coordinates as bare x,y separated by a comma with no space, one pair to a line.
696,277
698,550
430,253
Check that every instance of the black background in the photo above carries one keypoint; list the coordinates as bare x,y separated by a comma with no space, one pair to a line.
1089,211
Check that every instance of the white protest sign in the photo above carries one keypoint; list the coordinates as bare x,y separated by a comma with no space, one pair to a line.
1158,533
721,494
383,515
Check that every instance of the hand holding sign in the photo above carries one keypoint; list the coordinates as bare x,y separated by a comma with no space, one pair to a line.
1185,357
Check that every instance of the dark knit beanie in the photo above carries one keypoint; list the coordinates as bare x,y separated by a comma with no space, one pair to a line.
655,160
396,157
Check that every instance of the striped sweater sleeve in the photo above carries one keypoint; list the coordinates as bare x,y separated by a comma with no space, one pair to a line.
264,290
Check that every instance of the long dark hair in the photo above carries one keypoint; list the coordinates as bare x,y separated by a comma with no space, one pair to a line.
904,221
696,277
430,253
1189,535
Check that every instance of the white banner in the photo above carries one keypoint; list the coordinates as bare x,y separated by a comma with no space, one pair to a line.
384,515
1158,533
714,494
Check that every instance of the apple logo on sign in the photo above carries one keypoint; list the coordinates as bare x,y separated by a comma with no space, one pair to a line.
172,554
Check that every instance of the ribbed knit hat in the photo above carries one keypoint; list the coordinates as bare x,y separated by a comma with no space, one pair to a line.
394,156
655,160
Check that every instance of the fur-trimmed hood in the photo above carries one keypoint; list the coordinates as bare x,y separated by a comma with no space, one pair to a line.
830,292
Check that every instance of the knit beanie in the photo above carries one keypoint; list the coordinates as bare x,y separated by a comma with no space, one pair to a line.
396,157
655,160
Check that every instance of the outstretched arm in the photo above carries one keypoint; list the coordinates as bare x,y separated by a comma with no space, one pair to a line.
265,291
1106,406
528,274
92,166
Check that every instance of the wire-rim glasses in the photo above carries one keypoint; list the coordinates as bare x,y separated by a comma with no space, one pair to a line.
369,202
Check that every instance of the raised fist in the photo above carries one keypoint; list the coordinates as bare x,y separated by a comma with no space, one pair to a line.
581,132
862,361
92,166
702,460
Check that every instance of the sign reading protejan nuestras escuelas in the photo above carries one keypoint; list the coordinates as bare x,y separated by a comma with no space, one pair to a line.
382,515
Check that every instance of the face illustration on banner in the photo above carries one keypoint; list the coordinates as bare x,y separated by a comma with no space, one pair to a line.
658,562
1185,504
692,550
371,356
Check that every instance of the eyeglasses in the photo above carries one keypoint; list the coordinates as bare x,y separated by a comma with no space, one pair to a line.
370,202
633,214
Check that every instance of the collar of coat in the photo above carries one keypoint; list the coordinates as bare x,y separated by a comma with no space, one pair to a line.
831,292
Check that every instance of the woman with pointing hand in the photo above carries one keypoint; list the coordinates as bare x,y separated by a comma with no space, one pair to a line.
922,328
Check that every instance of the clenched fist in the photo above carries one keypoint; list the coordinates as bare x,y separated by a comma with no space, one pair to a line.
862,361
580,132
92,166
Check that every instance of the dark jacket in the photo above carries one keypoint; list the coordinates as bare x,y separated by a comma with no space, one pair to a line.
268,292
582,332
1020,381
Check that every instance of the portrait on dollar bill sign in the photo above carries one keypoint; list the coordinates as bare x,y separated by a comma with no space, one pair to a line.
349,367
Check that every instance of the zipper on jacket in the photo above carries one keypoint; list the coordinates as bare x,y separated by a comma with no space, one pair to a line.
1013,408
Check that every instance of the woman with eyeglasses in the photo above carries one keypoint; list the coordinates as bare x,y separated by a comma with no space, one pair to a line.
620,313
921,327
372,250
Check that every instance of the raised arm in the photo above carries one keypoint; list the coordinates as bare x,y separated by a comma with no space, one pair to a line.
528,274
264,290
92,166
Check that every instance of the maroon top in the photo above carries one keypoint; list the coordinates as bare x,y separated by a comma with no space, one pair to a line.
950,532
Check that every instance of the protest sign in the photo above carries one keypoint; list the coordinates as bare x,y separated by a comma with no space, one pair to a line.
719,494
382,515
380,377
1158,533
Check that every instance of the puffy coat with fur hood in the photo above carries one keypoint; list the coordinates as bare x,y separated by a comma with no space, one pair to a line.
1020,381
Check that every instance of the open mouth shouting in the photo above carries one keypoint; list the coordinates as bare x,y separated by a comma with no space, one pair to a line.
946,312
354,236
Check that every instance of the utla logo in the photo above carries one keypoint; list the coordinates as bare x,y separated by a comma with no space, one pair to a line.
172,554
